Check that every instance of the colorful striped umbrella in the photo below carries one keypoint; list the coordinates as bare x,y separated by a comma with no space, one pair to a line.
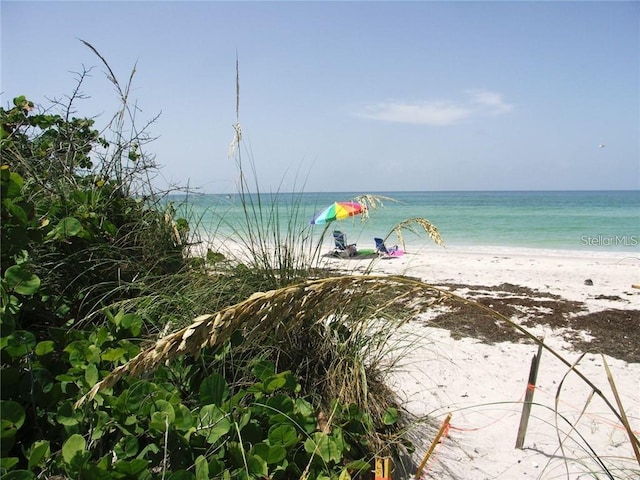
338,211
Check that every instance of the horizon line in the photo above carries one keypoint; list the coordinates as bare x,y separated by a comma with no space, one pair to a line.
277,192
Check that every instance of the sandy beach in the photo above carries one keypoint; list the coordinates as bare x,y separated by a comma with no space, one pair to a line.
584,306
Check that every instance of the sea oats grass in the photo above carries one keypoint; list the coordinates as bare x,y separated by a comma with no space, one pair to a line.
280,310
415,225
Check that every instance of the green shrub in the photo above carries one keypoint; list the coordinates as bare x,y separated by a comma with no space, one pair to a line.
94,266
85,265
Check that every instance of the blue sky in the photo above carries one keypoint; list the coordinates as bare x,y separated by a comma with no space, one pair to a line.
354,96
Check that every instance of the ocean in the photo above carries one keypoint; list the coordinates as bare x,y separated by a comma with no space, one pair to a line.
558,220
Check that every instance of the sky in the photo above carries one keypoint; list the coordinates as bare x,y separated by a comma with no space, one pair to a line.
367,97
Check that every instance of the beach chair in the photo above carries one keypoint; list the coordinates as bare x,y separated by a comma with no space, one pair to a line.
383,251
340,240
342,248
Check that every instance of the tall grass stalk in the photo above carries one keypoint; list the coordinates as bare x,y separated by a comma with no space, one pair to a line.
278,244
635,442
124,158
573,425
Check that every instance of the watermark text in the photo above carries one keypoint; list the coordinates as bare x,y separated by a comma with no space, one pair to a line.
610,240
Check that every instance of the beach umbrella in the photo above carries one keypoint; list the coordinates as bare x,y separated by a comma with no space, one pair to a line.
338,211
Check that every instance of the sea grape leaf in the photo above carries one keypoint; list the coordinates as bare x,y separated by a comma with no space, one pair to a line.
344,475
131,468
15,210
67,227
213,423
114,354
162,415
19,343
264,369
270,453
91,374
358,465
39,451
45,347
74,445
258,466
181,475
274,383
325,446
202,468
13,416
213,390
282,407
283,434
390,416
19,475
67,415
133,322
12,182
7,463
19,279
183,418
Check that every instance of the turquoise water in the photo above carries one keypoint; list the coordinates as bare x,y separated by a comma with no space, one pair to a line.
573,220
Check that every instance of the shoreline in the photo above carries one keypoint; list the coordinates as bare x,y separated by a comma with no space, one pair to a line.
600,279
591,277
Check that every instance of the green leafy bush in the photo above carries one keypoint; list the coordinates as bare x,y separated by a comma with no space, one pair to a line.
95,266
70,240
81,255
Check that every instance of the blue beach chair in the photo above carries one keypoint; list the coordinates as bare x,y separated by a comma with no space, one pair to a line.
341,246
383,251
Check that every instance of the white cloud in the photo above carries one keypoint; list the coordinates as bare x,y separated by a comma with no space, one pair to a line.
489,102
427,113
438,112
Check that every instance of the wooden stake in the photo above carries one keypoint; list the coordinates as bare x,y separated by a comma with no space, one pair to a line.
383,469
443,428
528,398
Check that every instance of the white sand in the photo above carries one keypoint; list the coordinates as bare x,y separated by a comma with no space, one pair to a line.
483,386
560,272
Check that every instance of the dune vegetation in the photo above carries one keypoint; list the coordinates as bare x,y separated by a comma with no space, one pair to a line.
126,355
